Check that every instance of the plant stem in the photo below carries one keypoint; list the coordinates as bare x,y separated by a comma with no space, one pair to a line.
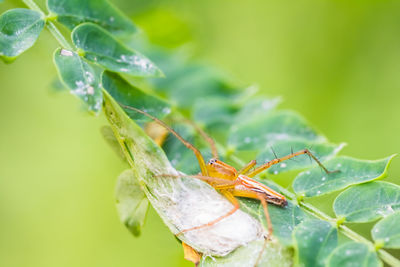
50,25
384,255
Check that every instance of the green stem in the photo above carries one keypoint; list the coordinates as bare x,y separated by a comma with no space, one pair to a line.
384,255
50,25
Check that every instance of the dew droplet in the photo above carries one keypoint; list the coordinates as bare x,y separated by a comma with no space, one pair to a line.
66,53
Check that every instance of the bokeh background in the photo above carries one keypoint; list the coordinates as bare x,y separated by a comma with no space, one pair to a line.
336,62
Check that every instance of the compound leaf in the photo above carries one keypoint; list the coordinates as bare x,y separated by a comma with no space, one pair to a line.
368,202
19,29
132,204
351,171
387,231
74,12
128,95
101,47
353,254
315,240
82,79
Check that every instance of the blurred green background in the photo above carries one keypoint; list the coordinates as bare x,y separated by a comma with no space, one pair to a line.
336,62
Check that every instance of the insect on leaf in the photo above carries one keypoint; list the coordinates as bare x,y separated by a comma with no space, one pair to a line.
351,171
132,204
101,47
387,231
74,12
264,130
315,240
82,79
19,29
355,203
353,254
128,95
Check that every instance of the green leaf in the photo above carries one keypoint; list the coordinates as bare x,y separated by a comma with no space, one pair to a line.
126,94
264,130
213,112
19,29
352,171
368,202
387,231
284,219
191,82
353,254
315,240
132,204
80,77
254,107
101,47
74,12
323,151
274,255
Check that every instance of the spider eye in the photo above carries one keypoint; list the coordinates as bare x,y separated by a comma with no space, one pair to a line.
212,161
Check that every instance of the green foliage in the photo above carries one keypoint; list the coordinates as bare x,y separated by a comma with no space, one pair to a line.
100,47
244,127
19,29
354,254
82,79
315,242
355,203
128,95
349,172
71,13
387,231
265,129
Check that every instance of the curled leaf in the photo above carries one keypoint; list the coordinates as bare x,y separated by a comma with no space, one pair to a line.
182,202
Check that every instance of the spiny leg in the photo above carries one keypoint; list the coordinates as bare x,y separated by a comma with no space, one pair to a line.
235,203
197,153
266,213
278,160
247,167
